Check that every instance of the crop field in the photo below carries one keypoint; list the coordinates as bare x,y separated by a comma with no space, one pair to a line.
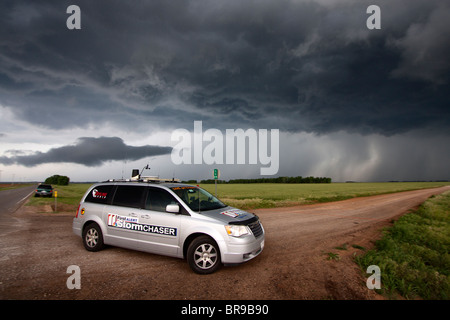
271,195
264,195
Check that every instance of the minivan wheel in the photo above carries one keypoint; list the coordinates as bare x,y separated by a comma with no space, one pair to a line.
93,237
203,255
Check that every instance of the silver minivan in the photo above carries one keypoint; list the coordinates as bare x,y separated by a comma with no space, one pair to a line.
172,219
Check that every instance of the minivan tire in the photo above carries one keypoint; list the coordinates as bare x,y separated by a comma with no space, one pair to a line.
203,255
93,237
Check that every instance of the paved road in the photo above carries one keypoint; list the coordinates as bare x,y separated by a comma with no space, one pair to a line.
10,202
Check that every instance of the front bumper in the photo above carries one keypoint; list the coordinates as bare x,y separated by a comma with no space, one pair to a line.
235,253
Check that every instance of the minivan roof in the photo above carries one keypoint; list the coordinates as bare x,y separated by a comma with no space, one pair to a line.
150,183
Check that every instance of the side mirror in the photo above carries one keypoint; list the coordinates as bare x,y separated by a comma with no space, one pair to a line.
173,208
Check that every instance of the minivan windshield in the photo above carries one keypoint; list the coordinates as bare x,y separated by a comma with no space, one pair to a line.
198,199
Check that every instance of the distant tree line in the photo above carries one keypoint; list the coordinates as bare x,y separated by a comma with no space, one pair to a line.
298,179
58,180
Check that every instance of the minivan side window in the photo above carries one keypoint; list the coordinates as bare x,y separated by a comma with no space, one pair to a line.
100,194
158,199
129,196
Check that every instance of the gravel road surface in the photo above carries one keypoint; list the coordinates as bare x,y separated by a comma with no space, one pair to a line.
37,247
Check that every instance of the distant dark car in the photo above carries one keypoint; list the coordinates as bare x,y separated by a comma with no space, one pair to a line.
44,190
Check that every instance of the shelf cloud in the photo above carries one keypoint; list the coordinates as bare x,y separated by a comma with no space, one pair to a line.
87,151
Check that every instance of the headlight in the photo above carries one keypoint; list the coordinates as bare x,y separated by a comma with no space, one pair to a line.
237,231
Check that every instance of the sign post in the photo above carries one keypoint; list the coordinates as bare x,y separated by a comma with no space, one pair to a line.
56,202
216,175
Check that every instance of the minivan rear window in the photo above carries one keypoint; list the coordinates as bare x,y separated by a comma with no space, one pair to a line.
100,194
129,196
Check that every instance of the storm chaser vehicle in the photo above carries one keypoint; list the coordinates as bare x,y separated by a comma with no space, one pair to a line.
167,218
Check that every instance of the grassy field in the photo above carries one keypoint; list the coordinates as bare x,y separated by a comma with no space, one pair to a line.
68,197
265,195
268,195
413,255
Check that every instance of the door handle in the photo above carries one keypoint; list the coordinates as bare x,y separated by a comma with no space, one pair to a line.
133,215
145,216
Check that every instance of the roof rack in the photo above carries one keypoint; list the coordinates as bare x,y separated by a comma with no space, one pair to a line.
146,179
137,177
155,179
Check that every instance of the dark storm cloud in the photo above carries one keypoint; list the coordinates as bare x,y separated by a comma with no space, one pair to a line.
286,64
87,151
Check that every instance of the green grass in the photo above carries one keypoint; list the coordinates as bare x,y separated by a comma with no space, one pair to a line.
333,256
413,254
69,195
268,195
271,195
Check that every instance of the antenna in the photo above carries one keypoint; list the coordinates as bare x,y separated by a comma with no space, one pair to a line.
198,190
124,162
146,167
136,176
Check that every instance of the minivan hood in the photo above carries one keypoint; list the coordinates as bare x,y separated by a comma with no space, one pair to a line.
228,214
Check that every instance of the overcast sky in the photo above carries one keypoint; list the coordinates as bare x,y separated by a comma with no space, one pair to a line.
350,103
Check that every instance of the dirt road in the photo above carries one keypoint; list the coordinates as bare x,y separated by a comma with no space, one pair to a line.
35,255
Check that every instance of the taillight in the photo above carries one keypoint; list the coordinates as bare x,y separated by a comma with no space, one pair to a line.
76,215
